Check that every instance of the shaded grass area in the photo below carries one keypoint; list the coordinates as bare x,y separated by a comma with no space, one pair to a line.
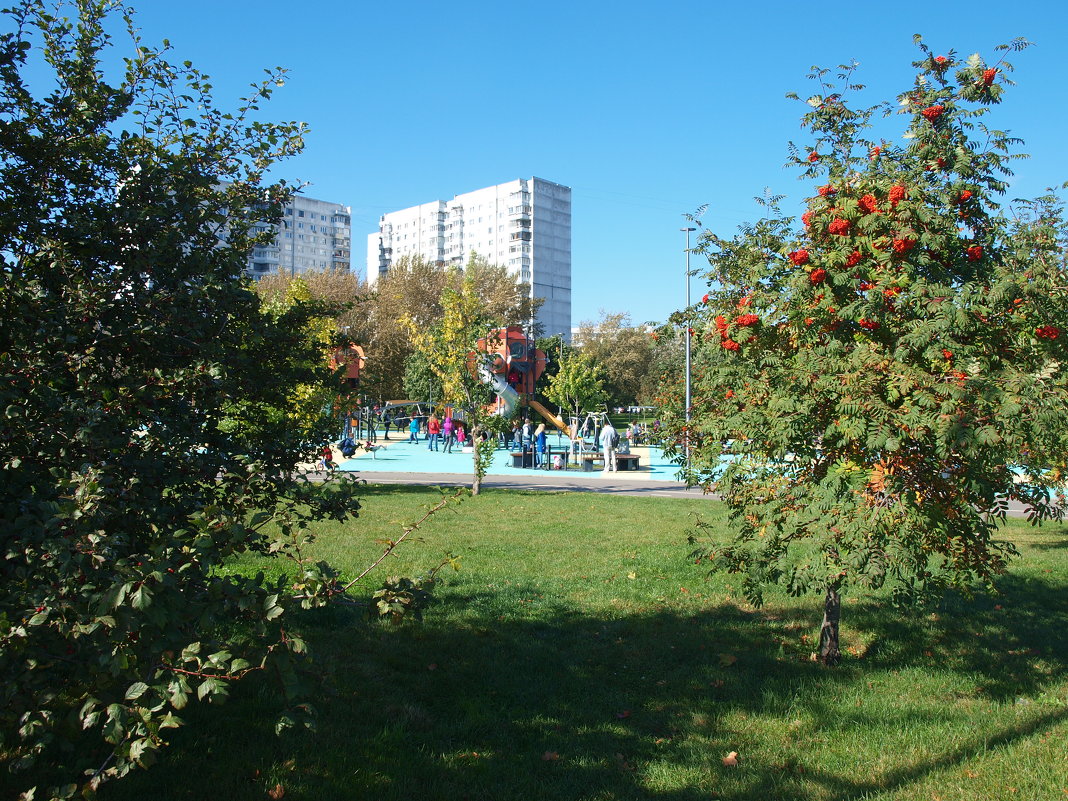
579,655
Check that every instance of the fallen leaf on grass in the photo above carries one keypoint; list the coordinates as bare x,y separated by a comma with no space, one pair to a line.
731,760
624,714
276,792
726,660
632,575
550,756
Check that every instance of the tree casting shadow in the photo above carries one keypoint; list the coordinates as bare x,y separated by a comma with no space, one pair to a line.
515,695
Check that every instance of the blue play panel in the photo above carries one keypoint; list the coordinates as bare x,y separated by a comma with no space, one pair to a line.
401,456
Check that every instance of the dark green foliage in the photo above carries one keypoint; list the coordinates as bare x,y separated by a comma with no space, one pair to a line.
147,401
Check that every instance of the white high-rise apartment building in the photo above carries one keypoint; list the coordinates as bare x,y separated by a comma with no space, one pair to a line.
313,235
523,225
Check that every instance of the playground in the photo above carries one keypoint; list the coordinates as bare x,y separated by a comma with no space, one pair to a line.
400,455
510,364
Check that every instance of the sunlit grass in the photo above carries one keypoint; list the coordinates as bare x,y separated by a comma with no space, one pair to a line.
578,654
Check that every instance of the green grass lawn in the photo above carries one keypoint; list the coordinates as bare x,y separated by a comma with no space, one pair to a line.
578,654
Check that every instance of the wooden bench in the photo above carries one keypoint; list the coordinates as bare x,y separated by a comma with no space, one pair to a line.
587,460
526,459
624,461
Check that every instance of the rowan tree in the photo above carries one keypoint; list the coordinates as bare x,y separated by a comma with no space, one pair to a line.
892,374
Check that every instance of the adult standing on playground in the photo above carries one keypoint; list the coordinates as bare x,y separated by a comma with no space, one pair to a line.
413,429
448,434
433,430
539,445
609,440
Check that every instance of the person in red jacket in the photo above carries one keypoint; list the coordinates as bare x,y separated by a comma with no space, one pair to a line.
433,430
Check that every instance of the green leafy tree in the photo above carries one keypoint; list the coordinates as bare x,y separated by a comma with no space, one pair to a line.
624,351
667,366
306,403
129,346
412,290
420,381
556,350
893,374
340,291
450,348
578,384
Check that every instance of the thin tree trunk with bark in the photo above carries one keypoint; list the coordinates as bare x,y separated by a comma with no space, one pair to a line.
476,482
832,612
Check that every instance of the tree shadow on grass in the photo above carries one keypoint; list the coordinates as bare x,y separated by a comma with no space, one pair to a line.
1052,545
507,694
1011,643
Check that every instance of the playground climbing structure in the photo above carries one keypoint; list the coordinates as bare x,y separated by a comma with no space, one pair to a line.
509,363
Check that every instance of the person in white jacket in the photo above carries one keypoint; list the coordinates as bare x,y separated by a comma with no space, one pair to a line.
609,440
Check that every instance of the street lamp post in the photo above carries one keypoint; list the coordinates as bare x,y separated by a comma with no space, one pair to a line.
686,439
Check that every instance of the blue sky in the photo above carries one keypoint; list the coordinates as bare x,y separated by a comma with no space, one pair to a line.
647,110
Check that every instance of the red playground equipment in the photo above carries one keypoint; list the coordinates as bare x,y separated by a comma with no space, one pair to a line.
512,366
353,359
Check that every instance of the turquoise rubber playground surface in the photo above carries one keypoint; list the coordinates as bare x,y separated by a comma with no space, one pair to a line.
401,456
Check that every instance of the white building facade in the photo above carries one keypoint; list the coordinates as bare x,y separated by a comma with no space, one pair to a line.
313,235
523,225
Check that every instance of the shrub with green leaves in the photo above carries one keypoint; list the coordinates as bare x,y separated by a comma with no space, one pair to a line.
146,399
891,375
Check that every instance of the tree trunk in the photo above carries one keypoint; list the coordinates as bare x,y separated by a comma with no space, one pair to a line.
832,611
476,481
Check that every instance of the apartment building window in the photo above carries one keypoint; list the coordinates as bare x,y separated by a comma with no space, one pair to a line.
300,213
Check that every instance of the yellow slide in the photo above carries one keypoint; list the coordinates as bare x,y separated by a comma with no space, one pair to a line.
552,418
